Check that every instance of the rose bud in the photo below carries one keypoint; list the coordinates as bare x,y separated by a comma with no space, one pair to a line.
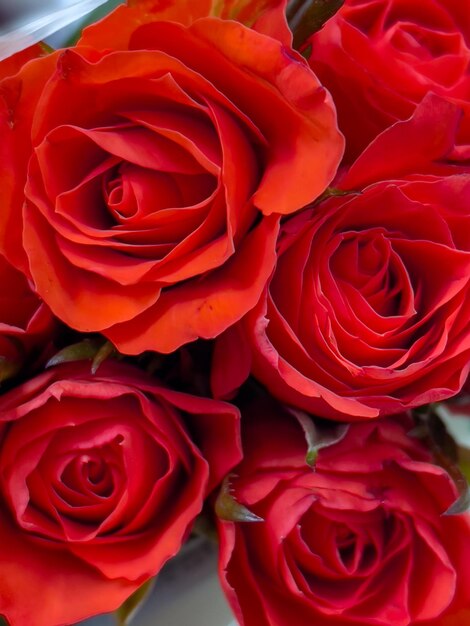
101,478
360,539
380,58
194,135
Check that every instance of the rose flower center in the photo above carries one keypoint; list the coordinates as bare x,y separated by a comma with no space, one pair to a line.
369,271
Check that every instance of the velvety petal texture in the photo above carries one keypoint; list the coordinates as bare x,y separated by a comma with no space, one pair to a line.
144,171
360,540
379,58
101,477
377,319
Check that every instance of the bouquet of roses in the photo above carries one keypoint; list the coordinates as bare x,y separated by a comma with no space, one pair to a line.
235,276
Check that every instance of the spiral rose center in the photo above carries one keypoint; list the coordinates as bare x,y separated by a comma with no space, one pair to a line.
355,550
89,474
367,267
333,553
94,471
132,193
78,482
424,43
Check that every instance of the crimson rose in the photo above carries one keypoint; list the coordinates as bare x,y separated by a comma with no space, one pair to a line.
101,478
360,540
157,156
377,316
379,58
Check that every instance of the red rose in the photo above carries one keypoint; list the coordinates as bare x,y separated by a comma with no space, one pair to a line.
380,58
377,317
157,158
26,324
100,482
360,540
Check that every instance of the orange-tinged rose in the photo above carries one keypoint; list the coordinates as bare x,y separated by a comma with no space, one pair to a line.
157,158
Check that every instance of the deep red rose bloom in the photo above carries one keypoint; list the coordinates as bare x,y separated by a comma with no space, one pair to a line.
158,156
101,478
368,310
379,58
360,540
26,324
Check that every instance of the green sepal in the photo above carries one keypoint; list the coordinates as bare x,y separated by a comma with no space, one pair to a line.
106,351
318,434
95,350
462,504
127,611
228,509
85,350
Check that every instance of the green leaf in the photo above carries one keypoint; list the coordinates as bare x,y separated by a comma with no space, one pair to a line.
127,611
318,434
106,351
82,351
306,17
228,509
